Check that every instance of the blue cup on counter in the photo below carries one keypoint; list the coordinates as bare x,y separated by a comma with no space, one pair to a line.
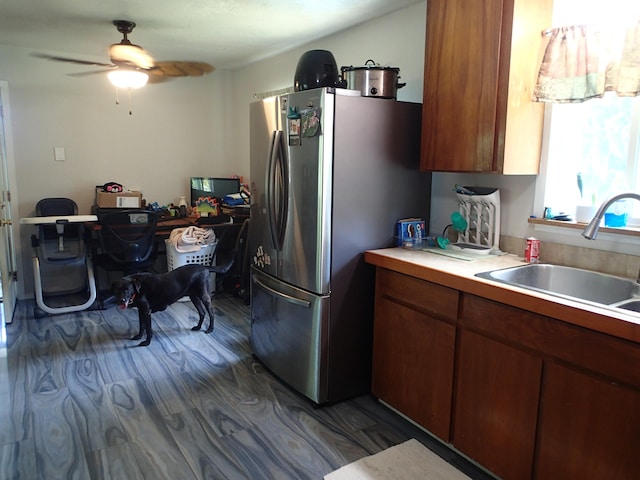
615,220
616,214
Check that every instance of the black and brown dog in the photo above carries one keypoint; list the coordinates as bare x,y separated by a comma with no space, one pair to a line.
155,292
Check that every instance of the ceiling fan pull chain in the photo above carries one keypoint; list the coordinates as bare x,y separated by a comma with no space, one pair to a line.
130,103
130,99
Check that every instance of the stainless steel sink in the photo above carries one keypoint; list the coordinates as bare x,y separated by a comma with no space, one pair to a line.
633,305
571,283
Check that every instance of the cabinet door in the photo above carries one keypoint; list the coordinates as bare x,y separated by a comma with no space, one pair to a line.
496,405
461,84
481,60
589,427
413,365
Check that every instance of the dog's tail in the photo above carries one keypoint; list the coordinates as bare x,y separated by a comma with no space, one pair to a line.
222,269
226,258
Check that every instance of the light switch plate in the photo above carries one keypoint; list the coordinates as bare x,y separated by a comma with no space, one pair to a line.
59,154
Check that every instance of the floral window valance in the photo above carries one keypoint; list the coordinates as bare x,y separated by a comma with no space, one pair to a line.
583,62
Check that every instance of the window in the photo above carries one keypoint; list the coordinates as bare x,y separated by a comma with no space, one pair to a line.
596,142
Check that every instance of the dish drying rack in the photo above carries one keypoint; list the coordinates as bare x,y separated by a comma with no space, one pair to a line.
481,210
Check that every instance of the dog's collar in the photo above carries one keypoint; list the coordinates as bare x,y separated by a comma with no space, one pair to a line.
133,297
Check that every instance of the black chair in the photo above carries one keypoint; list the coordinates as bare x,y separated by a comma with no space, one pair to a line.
127,242
228,255
62,241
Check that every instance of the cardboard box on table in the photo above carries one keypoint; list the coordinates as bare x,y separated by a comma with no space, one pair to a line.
130,199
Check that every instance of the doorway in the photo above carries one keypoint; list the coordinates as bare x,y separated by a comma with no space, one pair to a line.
8,270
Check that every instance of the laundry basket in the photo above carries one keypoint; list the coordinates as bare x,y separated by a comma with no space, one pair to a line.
176,259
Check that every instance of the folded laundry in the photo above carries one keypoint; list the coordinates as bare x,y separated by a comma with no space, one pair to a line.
191,239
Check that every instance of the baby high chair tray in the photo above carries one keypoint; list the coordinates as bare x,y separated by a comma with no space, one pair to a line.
53,219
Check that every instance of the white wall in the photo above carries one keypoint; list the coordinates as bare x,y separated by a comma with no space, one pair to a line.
395,40
516,200
177,129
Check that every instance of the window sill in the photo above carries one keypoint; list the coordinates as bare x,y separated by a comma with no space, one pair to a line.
629,231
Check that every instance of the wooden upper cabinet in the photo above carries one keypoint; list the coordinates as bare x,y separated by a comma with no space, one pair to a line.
481,61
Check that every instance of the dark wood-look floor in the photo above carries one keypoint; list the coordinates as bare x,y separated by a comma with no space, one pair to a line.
78,400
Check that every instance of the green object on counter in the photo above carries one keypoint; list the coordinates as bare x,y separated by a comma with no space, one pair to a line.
442,242
459,223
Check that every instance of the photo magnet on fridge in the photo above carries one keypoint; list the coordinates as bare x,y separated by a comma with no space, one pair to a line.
310,122
294,132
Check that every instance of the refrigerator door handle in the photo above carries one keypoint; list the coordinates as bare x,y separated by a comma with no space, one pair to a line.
277,190
270,189
288,298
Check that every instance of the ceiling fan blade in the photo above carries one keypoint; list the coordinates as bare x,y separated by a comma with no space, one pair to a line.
180,69
130,54
155,79
71,60
92,72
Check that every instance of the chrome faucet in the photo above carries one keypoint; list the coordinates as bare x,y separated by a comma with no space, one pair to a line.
591,231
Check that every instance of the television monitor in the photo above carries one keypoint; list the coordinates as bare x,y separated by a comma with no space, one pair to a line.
213,187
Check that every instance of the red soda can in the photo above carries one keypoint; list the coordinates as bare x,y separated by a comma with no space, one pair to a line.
532,250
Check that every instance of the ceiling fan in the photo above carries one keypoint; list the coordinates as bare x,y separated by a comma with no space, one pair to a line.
131,66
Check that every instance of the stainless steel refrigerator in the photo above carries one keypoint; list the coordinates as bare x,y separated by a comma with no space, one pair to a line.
331,173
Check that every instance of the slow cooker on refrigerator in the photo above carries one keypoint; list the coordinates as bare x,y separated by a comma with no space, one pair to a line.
373,80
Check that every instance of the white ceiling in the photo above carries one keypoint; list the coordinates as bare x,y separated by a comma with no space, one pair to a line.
224,33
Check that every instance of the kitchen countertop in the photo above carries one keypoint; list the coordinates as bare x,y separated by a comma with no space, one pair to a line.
460,275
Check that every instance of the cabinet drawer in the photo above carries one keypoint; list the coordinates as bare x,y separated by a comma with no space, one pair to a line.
432,299
612,357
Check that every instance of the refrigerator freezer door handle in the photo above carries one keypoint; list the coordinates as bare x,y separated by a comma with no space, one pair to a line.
271,189
283,190
288,298
277,190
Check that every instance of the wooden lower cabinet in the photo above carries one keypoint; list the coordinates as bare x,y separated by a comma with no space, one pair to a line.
496,405
589,427
413,350
525,395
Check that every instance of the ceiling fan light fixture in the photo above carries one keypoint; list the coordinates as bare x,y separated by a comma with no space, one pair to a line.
123,78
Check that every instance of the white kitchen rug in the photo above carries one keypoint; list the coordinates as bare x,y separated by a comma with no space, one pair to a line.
407,461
